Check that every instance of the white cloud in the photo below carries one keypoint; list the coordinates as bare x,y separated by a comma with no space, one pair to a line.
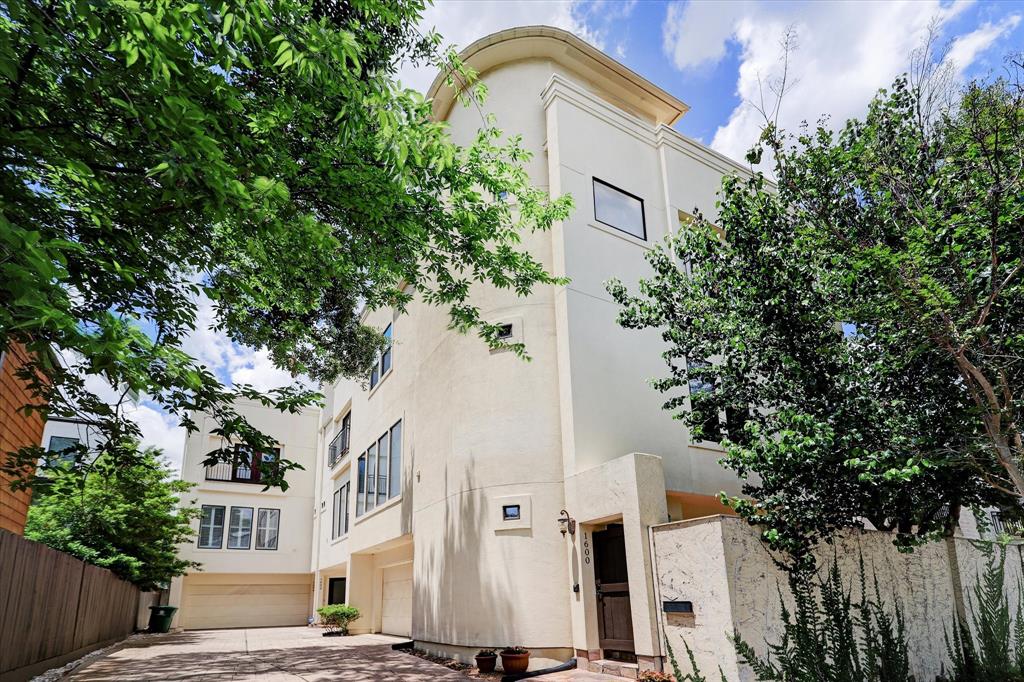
696,33
162,431
846,52
965,49
460,22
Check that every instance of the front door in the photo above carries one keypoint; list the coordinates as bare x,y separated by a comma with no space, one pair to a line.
336,591
614,617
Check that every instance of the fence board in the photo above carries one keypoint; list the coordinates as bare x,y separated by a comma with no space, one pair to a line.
52,605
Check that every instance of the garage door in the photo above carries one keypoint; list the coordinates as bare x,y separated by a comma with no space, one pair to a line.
396,609
249,601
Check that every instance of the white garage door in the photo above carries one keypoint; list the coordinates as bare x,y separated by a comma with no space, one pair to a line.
266,603
396,609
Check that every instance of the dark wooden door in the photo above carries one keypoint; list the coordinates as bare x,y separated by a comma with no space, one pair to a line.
614,617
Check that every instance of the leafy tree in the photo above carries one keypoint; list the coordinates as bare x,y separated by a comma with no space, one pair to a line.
857,333
262,153
125,518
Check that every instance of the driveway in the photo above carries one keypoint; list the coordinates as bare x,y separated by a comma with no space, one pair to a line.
264,655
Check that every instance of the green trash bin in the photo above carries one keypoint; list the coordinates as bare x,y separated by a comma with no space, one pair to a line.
160,618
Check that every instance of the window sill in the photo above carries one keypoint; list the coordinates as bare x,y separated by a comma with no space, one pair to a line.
338,540
707,445
376,510
624,236
380,381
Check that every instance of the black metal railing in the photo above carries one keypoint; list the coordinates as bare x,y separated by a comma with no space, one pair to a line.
338,448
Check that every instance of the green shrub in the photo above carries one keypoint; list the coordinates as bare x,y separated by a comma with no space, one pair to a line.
336,617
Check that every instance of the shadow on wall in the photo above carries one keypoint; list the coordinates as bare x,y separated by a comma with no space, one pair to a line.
462,596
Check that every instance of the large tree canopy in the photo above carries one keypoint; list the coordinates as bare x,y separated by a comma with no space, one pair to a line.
126,518
260,152
858,331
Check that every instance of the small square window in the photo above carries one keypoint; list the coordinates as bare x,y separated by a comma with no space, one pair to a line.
510,512
505,331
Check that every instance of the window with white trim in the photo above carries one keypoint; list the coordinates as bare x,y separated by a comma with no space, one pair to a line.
240,528
211,527
268,526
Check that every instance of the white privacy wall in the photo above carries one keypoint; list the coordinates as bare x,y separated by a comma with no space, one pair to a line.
720,565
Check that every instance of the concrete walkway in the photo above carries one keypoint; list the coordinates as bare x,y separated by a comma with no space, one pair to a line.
264,655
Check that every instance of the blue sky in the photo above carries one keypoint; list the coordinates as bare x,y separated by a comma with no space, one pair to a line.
708,54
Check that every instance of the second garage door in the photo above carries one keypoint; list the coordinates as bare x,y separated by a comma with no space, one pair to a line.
244,601
396,606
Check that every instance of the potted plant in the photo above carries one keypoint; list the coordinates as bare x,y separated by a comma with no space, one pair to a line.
485,660
515,659
336,617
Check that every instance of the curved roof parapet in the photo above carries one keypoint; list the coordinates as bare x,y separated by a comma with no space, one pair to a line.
610,80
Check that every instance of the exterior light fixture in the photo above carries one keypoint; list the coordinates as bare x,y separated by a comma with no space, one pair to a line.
566,524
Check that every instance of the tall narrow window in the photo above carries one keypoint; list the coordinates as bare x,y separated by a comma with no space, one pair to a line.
268,525
383,362
371,477
211,527
396,460
385,357
383,464
361,486
240,528
346,501
619,209
336,515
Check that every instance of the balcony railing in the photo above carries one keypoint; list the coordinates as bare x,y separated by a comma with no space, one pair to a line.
338,448
243,469
1011,527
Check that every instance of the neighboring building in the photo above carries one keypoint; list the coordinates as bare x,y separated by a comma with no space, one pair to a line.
60,435
17,430
254,544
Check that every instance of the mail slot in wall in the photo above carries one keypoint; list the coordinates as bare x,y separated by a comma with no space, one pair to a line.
677,606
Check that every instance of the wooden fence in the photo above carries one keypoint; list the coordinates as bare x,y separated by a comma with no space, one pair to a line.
55,608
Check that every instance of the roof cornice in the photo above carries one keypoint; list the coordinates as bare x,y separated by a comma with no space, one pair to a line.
610,78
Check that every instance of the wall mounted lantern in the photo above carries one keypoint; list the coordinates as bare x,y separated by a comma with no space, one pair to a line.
566,524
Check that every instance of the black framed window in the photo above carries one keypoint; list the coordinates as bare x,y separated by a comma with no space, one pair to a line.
619,209
383,362
240,528
268,527
361,486
380,469
211,527
339,512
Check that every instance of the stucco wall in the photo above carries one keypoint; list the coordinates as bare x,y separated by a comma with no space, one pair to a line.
720,565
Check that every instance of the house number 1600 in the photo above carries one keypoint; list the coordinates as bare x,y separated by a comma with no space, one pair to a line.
586,548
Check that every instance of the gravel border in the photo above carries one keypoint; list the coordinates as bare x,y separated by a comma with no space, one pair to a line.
54,674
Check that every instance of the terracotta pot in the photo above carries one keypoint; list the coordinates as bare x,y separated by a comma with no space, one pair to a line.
485,664
515,663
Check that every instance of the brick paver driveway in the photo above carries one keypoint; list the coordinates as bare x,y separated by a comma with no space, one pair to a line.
263,655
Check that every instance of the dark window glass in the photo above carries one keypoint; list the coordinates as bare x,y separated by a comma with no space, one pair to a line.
336,591
361,486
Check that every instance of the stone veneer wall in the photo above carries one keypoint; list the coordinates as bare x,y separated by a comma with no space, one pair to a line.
719,564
